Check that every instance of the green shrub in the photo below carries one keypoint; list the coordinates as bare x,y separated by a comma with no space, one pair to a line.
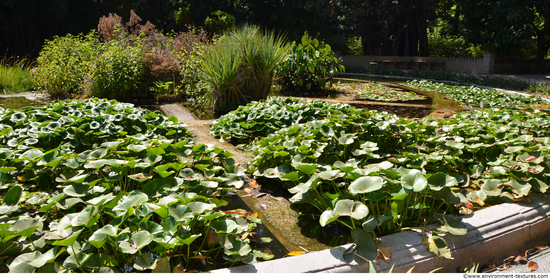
240,66
14,76
219,22
120,69
440,45
188,47
309,68
64,62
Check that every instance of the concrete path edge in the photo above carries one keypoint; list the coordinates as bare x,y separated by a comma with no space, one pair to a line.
493,233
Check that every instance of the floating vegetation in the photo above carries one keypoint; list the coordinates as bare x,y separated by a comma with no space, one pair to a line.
378,92
375,173
101,186
476,97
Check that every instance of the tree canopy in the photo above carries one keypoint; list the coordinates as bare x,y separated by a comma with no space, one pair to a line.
510,28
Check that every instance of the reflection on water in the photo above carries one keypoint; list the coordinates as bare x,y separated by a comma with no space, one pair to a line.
16,103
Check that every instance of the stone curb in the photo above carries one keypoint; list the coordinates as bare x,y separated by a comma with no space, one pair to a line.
493,232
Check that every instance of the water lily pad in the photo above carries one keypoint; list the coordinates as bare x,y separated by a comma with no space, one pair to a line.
351,208
439,180
492,187
366,184
13,195
138,240
416,182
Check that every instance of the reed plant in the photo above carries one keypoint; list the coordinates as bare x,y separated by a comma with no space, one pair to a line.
239,66
14,75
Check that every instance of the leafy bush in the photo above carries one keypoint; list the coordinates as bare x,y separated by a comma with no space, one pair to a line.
102,186
309,68
64,62
132,61
440,45
539,89
189,47
15,76
219,22
119,70
240,66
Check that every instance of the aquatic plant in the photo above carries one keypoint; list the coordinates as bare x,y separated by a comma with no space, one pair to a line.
309,67
102,186
476,97
379,92
262,118
376,173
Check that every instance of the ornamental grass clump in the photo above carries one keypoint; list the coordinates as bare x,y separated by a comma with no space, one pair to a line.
240,65
15,75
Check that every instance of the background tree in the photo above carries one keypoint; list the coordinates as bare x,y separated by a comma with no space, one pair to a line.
511,28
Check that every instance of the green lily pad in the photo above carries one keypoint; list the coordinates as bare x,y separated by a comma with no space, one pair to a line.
366,184
351,208
13,195
416,182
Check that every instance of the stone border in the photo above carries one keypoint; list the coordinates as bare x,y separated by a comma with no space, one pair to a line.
493,232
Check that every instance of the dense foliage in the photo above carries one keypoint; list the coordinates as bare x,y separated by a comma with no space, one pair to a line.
124,61
310,67
376,173
262,118
64,62
462,78
473,96
15,75
101,186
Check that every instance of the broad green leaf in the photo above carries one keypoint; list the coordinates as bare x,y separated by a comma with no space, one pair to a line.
353,209
138,241
492,187
21,264
45,258
224,226
133,200
439,180
370,224
520,188
365,247
366,184
70,240
180,212
416,182
13,195
76,190
327,217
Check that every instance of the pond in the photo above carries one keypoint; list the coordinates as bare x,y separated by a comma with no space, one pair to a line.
19,102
